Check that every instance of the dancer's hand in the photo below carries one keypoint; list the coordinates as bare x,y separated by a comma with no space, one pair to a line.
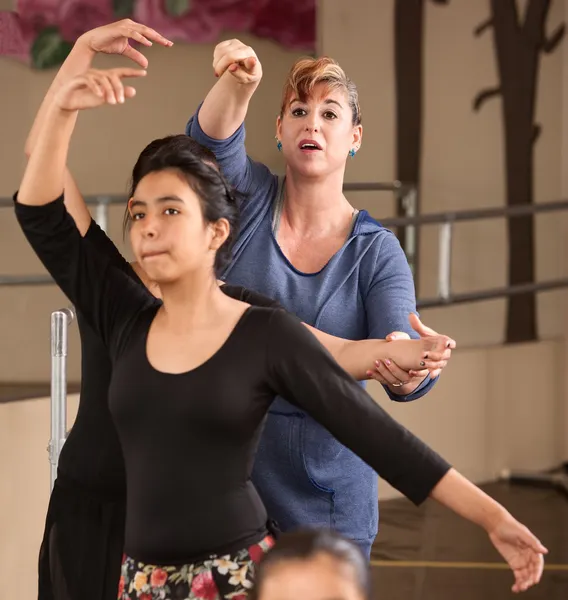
521,549
239,60
390,373
415,356
397,370
115,39
95,88
426,333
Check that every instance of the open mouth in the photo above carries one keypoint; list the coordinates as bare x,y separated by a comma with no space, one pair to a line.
309,145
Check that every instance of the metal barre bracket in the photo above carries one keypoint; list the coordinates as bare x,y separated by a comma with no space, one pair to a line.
60,320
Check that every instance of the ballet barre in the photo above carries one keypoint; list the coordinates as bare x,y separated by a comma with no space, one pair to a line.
445,221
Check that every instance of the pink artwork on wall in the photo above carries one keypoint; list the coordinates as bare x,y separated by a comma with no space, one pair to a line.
41,32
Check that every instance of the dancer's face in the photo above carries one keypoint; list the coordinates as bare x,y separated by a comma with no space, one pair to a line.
326,119
169,236
319,578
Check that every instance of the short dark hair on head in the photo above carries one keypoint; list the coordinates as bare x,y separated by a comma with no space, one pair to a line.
307,543
199,166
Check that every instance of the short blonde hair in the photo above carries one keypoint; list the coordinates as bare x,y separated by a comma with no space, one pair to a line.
306,73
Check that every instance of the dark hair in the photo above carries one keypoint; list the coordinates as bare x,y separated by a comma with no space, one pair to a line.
199,166
306,544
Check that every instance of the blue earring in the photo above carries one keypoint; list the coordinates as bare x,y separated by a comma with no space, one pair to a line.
279,145
352,152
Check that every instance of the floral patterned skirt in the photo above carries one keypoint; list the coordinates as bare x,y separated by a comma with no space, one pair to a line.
220,577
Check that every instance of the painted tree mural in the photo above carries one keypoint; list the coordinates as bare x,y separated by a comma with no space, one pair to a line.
519,44
409,58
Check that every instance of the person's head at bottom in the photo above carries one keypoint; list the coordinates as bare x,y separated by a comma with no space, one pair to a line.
313,565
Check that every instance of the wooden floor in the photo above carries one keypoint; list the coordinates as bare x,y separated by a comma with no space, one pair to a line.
430,554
